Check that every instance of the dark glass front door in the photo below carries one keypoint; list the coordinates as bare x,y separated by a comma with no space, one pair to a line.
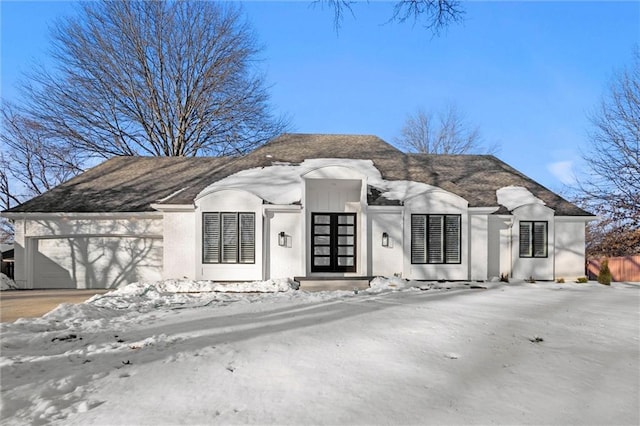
333,242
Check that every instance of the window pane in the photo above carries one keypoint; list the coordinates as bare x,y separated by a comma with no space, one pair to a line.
211,238
540,239
435,239
345,220
322,240
452,239
418,238
321,229
345,230
345,241
526,237
247,237
345,261
324,250
229,237
345,251
321,261
322,219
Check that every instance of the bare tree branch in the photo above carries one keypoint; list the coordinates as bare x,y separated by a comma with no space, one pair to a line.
33,161
7,199
444,133
612,187
340,8
433,15
160,78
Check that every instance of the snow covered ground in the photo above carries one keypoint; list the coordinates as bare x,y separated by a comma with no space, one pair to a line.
515,353
6,283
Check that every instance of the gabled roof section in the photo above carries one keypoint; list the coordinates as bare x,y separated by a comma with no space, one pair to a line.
478,177
294,148
297,147
132,184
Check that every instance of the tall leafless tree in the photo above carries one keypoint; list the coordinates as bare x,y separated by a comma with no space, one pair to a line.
31,158
6,228
446,132
434,15
31,161
612,187
160,78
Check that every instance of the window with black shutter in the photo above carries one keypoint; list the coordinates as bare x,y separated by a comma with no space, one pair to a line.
435,238
418,238
533,239
228,237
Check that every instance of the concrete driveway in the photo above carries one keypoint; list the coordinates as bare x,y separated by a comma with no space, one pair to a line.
16,304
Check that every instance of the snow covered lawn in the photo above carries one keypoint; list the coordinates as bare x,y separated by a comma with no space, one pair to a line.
510,354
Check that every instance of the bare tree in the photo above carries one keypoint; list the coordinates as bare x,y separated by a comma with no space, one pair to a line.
446,132
434,15
160,78
31,162
610,237
31,158
8,197
6,228
612,187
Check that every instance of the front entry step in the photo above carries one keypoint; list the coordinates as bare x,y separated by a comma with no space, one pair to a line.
333,283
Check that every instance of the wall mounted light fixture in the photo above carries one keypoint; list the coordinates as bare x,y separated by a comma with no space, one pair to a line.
385,239
282,239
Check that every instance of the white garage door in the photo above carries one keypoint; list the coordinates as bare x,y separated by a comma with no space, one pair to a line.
95,262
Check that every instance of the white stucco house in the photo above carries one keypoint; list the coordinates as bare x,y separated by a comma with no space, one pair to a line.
302,205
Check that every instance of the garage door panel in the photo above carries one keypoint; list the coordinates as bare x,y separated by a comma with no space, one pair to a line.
50,262
96,262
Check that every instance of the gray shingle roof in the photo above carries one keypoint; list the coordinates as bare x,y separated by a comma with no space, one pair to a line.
132,184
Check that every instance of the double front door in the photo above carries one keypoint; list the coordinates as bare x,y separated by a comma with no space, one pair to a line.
333,242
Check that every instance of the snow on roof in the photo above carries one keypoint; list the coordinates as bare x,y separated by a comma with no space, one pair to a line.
282,183
135,184
513,197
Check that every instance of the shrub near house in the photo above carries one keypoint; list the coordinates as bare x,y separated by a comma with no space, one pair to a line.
622,268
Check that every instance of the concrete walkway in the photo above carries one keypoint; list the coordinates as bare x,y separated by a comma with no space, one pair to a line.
16,304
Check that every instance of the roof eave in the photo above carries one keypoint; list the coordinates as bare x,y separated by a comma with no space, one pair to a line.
79,215
173,207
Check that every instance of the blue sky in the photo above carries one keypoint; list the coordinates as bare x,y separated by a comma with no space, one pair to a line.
527,73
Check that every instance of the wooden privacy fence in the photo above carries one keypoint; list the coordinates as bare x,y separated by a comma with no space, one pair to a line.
625,268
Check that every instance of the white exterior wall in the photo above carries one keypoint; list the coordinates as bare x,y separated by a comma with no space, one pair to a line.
478,246
437,202
180,244
538,268
570,247
331,195
20,272
284,261
87,250
57,225
499,246
229,201
385,261
337,189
